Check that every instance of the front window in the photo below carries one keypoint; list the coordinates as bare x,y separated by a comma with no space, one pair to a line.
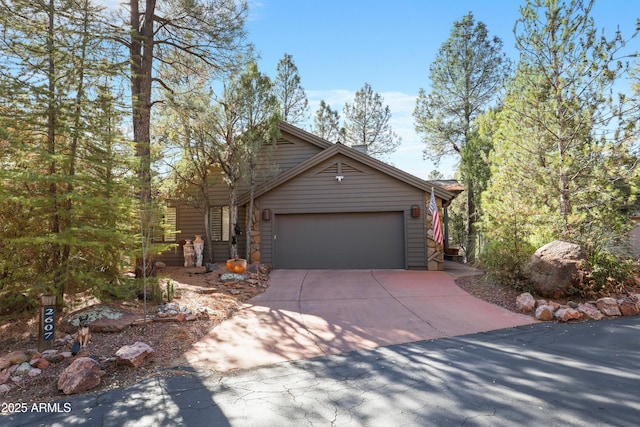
168,226
220,223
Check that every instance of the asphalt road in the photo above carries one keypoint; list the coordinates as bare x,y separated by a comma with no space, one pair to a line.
547,374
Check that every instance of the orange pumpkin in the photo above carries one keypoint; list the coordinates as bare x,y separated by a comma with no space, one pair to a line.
237,266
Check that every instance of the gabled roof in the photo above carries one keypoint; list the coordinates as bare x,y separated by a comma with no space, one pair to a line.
304,135
451,185
331,150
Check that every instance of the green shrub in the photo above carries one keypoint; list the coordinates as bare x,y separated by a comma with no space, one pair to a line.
606,275
507,263
170,289
121,288
14,303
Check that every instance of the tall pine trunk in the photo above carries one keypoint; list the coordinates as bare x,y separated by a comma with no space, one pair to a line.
471,220
141,57
252,191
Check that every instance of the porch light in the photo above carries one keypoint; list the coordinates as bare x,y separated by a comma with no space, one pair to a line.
415,211
266,214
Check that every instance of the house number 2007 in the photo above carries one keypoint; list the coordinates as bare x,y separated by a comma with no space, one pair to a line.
48,320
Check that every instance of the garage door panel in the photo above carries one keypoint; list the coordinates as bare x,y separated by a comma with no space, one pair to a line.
340,240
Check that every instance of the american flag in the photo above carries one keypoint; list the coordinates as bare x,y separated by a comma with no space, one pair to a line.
433,210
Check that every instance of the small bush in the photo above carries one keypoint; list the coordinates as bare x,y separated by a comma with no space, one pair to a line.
606,275
507,263
121,288
14,303
171,290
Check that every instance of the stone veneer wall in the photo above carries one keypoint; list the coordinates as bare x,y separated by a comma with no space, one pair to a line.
255,235
435,252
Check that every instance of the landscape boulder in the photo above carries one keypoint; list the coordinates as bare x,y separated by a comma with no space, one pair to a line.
554,266
13,358
608,306
544,313
134,355
590,311
525,302
629,306
81,375
101,318
564,314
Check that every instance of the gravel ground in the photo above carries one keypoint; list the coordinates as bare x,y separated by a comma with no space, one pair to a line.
170,340
479,287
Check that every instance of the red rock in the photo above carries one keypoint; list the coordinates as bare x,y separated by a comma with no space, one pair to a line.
55,358
564,314
4,376
590,311
525,302
629,306
608,306
83,374
40,363
544,313
134,355
180,317
13,358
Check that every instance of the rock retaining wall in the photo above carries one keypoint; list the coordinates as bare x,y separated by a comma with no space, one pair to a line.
546,310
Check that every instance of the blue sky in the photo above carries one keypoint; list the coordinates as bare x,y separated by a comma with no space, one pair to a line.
338,45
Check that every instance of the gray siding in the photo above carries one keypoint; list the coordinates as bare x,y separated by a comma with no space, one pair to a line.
363,189
288,152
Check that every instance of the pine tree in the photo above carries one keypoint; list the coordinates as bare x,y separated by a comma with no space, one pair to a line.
563,138
367,123
52,101
466,75
294,105
327,123
187,151
238,125
211,31
259,116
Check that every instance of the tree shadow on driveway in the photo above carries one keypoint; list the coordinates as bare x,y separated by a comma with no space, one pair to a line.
542,374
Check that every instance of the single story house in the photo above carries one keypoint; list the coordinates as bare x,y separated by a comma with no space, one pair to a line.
328,206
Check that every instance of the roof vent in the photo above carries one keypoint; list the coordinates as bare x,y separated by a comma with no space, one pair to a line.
361,148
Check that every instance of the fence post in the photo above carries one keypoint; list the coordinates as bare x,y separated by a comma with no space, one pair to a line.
46,333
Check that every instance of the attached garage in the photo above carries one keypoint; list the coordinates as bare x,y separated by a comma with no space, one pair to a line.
341,209
322,205
359,240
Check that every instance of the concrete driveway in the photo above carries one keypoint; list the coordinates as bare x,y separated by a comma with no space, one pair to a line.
309,313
